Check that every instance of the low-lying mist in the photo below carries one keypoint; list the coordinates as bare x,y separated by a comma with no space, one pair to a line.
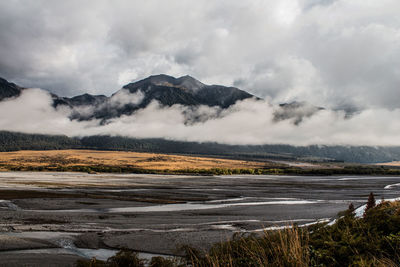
247,122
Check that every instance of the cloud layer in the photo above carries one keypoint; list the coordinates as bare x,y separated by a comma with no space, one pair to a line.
330,53
246,122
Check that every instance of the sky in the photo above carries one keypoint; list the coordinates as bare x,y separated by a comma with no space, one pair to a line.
336,54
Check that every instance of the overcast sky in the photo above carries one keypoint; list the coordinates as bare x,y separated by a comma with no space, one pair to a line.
329,53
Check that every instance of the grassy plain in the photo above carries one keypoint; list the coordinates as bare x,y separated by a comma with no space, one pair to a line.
392,163
92,161
146,161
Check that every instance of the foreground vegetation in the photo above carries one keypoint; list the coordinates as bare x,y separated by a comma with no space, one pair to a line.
373,240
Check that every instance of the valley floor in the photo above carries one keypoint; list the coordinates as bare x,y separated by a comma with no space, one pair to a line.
51,215
97,161
147,161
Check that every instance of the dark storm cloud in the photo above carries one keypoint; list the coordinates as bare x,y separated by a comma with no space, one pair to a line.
330,53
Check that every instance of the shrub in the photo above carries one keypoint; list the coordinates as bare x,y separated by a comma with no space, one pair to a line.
125,258
370,203
161,262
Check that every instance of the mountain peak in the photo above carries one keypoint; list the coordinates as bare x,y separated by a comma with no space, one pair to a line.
185,90
190,83
160,78
185,82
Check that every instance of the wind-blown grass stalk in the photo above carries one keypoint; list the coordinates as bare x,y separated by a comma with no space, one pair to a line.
285,247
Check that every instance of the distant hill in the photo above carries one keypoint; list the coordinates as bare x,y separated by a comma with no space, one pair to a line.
10,141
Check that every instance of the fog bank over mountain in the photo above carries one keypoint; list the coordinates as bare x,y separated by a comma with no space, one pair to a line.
247,120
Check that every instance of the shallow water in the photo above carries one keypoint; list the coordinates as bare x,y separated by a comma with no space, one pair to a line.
100,254
209,208
66,246
263,190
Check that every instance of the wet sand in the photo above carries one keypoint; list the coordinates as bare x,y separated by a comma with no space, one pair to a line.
43,212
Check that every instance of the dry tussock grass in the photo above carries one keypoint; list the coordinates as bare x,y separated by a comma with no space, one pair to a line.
119,158
393,163
286,247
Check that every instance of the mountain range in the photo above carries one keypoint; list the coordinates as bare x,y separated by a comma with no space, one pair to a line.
165,89
189,92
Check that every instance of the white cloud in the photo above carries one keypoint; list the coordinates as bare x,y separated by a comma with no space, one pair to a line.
124,97
246,122
32,112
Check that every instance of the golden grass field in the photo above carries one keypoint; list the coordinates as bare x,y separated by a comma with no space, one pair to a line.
393,163
148,161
